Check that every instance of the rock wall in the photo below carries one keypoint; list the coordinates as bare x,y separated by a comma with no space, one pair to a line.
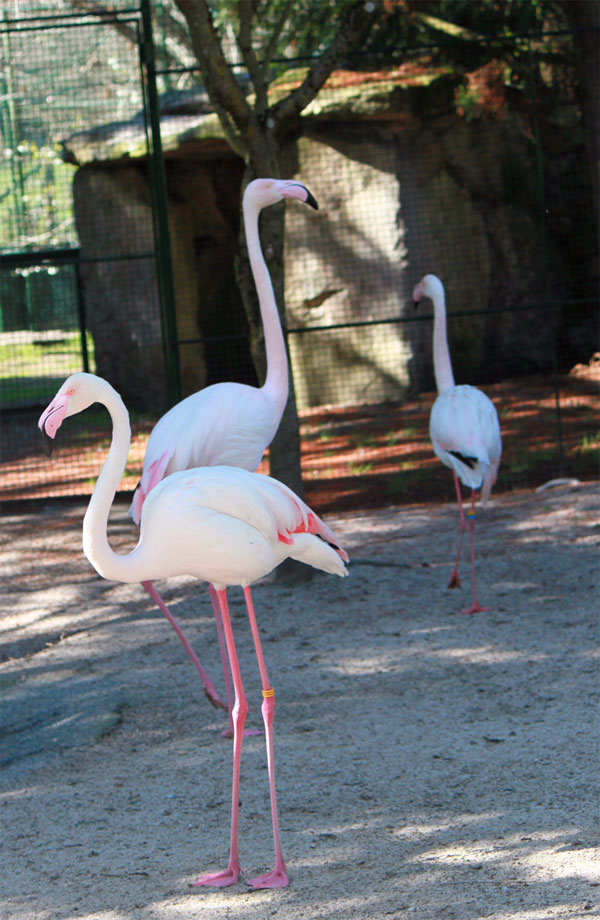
438,195
114,222
406,186
115,226
347,264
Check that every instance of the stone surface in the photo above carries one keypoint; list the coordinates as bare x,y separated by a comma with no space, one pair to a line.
345,265
114,221
406,186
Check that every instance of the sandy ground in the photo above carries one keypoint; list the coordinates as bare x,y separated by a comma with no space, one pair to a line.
430,765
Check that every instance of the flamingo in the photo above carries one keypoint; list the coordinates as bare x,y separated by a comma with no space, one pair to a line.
228,423
224,525
463,427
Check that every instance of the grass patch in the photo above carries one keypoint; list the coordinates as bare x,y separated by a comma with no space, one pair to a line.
32,371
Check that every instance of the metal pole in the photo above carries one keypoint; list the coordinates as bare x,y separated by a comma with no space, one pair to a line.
81,315
158,189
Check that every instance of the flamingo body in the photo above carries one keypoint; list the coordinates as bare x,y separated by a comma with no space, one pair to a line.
238,527
224,525
465,434
229,423
463,427
226,424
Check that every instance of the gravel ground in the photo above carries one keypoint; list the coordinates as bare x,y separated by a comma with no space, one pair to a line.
430,765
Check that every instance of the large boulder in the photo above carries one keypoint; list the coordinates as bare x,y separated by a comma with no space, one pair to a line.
114,221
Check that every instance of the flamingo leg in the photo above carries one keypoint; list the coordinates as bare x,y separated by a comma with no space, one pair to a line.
223,649
454,579
475,606
231,874
277,877
209,689
228,732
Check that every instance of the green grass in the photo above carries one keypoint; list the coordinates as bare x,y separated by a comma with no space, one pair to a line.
31,372
359,469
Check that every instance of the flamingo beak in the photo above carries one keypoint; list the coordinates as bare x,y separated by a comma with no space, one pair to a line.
50,421
299,191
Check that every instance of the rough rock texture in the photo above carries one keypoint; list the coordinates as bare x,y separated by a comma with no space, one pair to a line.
407,185
114,221
347,266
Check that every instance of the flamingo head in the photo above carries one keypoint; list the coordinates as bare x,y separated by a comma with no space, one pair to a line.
75,395
429,286
264,192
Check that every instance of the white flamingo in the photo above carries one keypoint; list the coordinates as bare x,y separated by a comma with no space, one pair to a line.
463,426
220,524
228,423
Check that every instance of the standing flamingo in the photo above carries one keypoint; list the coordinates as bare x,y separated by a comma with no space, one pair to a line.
224,525
228,423
463,427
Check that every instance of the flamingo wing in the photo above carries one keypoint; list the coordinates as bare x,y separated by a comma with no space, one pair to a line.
465,433
227,424
244,524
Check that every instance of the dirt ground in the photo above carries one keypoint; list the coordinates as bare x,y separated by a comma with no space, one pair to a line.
429,764
364,456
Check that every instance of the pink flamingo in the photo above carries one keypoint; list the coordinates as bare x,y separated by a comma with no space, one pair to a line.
224,525
228,424
463,427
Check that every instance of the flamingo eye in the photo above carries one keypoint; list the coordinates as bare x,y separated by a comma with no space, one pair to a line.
71,392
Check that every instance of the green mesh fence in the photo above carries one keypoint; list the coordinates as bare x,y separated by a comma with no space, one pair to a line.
455,173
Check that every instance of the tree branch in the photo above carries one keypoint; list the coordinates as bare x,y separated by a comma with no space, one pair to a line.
271,46
360,16
245,13
223,89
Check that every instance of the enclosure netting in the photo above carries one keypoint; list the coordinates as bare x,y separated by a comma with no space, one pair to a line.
491,193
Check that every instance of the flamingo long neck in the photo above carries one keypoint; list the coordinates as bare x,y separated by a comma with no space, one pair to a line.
96,547
277,382
442,366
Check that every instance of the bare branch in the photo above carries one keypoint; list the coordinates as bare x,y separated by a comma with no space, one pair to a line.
223,90
359,16
271,46
245,12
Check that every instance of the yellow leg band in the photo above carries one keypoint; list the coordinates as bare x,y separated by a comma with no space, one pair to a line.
268,693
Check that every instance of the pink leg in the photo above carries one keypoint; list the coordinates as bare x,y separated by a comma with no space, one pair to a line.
475,606
228,732
454,579
277,877
209,688
232,873
223,649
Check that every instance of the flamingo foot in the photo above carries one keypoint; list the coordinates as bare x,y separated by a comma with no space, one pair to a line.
454,579
276,878
228,732
229,876
213,697
475,608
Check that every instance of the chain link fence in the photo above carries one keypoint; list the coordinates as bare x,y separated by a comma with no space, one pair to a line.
455,173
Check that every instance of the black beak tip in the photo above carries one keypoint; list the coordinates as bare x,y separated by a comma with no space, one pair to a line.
416,304
312,201
47,442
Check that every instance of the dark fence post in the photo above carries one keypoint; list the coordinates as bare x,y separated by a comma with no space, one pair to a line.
550,298
81,314
158,191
